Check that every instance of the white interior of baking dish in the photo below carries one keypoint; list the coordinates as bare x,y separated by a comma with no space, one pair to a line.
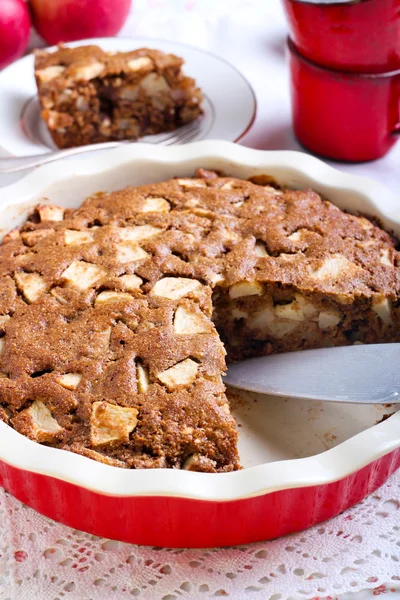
283,443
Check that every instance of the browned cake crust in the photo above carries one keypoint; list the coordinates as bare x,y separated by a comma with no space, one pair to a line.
108,346
89,96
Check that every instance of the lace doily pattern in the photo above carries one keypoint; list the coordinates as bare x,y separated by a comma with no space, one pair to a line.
357,550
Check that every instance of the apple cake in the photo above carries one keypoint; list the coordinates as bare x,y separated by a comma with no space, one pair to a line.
116,316
89,96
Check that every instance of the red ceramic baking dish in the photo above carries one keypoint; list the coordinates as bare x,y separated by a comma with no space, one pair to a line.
344,116
348,35
303,461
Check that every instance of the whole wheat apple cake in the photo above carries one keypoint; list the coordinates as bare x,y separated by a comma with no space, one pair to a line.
110,312
89,96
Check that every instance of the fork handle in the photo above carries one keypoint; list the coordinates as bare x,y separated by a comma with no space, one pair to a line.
13,164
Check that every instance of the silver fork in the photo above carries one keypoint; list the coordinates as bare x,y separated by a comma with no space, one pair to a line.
13,164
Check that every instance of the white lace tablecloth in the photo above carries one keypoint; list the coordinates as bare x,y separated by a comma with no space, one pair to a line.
360,549
355,555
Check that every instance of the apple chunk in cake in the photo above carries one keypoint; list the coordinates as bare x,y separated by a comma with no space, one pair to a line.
109,313
89,96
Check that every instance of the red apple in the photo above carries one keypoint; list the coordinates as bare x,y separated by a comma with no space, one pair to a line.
14,30
67,20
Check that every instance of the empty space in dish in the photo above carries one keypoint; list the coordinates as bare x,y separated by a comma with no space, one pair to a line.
272,428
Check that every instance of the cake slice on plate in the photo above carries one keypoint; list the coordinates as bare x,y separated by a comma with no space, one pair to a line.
89,96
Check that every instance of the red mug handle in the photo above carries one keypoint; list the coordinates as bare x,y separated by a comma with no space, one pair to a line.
396,129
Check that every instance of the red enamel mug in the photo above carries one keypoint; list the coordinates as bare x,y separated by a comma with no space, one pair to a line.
343,116
356,35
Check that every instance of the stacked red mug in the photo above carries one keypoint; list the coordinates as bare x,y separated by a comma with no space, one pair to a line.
345,76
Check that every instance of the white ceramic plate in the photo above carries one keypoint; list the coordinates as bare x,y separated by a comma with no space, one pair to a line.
229,105
318,442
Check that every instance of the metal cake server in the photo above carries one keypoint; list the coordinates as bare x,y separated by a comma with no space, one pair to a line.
364,374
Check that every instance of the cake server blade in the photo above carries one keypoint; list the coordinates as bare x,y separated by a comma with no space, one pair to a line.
364,374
